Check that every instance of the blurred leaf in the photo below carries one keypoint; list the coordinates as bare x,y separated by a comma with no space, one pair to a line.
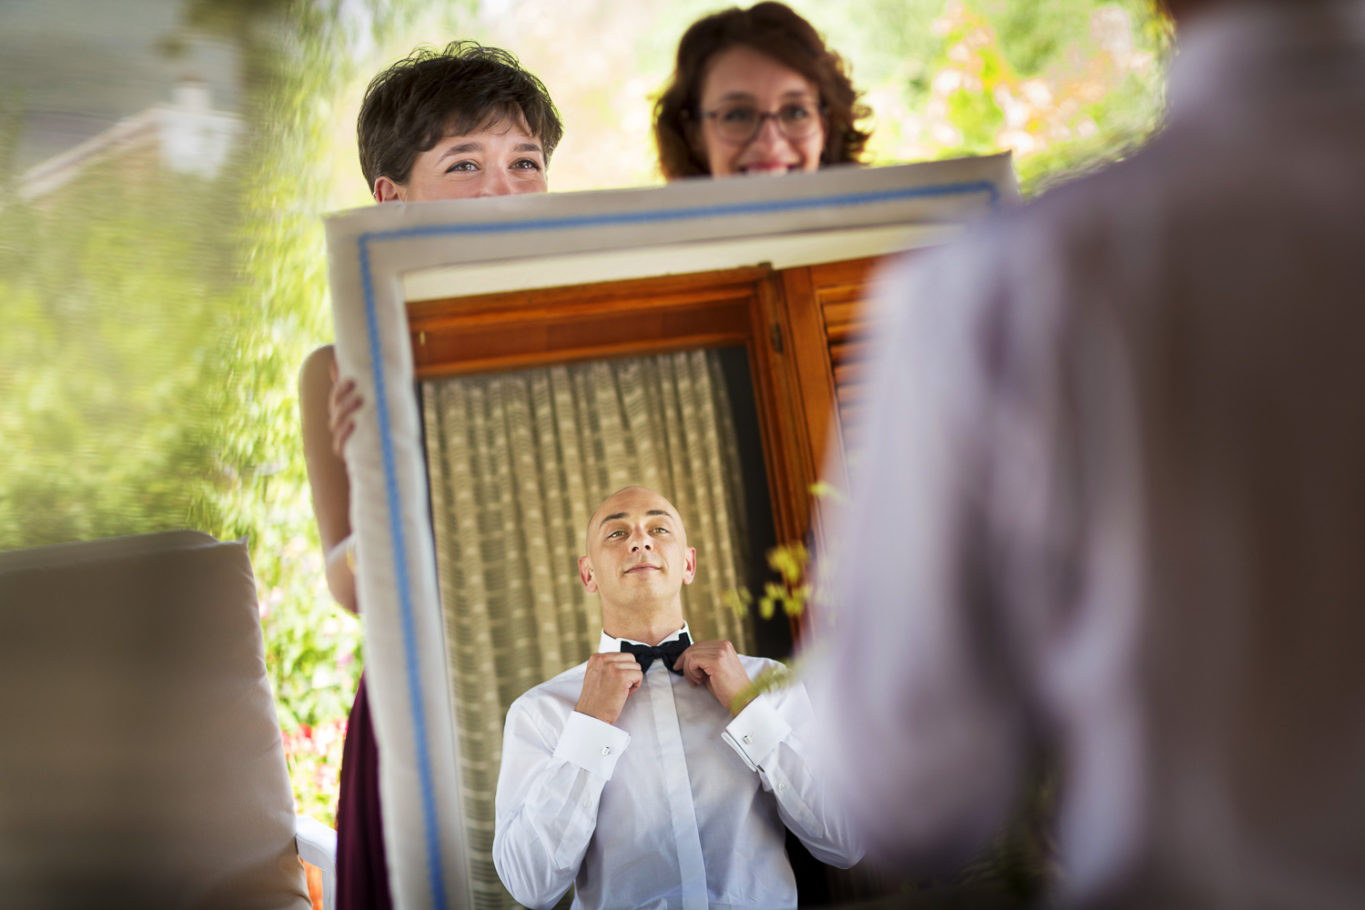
774,677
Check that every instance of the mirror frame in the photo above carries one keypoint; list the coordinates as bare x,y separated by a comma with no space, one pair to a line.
474,285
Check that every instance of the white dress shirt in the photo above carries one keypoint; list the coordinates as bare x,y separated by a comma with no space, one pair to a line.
676,805
1113,498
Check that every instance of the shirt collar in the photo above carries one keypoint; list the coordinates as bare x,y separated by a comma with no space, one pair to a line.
614,644
1249,50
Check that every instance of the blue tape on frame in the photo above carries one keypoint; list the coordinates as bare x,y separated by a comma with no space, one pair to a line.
435,871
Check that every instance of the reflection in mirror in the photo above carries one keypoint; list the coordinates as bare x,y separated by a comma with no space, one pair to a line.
690,268
517,462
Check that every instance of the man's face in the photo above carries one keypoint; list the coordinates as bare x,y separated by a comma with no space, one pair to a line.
502,159
637,550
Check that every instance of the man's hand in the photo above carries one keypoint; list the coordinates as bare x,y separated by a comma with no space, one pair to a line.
715,665
608,682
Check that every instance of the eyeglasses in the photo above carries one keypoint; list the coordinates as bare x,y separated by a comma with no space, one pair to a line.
740,123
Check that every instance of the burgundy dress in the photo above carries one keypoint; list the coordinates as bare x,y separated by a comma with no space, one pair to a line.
362,874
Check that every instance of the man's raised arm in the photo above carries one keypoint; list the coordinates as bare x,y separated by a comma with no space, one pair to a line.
555,763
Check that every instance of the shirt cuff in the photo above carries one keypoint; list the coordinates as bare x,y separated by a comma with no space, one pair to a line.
591,744
756,731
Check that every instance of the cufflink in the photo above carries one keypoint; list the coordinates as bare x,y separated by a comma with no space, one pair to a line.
747,740
606,750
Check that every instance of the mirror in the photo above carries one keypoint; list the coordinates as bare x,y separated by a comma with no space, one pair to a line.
566,345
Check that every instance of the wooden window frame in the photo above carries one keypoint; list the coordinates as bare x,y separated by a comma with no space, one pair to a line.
777,315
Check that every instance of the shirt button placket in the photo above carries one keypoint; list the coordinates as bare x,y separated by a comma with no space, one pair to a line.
677,783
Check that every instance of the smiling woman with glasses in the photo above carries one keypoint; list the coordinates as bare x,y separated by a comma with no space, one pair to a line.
756,91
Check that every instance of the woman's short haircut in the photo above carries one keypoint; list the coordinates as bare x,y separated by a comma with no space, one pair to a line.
433,93
777,31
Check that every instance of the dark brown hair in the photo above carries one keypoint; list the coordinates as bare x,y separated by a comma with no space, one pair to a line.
779,32
433,93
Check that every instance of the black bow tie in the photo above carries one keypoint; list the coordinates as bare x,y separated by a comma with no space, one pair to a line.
668,652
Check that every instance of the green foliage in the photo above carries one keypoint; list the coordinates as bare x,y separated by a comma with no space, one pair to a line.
312,646
1067,85
112,311
790,590
155,324
297,82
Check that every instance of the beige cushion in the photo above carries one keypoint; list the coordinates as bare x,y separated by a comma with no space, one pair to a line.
140,755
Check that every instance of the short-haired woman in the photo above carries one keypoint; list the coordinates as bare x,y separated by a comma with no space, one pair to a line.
454,123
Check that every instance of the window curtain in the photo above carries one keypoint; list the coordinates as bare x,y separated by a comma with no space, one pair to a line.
518,462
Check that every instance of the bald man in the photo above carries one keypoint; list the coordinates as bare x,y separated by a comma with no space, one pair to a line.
1113,501
629,777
